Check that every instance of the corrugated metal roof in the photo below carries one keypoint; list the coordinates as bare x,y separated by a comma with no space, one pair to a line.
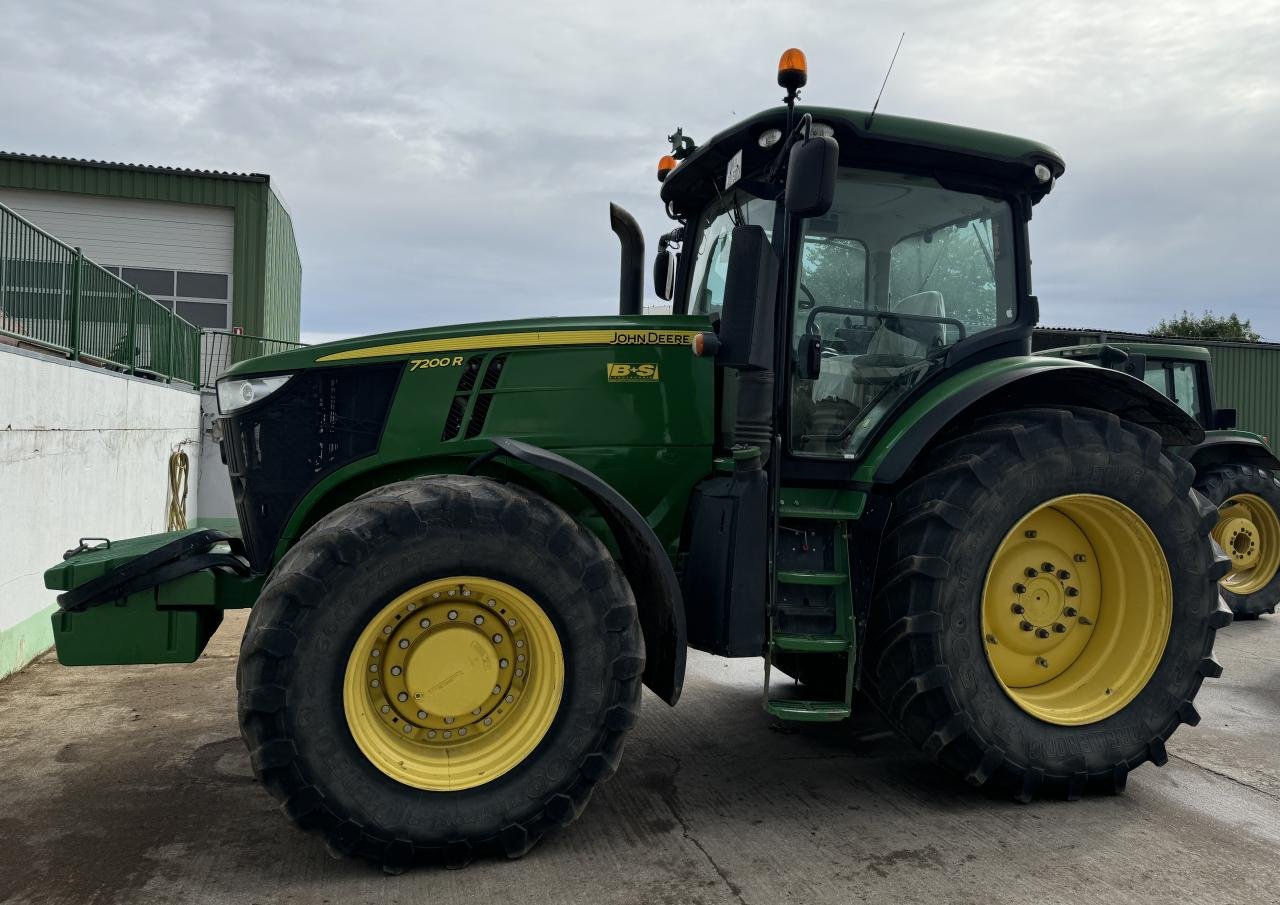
132,167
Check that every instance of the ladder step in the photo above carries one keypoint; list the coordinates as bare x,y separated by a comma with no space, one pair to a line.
813,578
816,644
808,711
812,512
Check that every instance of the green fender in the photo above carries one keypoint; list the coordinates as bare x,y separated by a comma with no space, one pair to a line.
1020,382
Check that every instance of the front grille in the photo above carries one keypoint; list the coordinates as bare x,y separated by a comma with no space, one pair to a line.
278,450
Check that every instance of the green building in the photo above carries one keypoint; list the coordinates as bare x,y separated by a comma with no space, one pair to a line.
218,247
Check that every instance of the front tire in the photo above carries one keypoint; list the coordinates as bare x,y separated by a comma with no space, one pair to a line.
441,668
1248,500
1065,680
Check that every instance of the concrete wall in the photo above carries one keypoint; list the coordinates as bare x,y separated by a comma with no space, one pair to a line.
83,452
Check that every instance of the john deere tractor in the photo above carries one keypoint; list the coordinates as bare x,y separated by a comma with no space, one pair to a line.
1235,469
466,548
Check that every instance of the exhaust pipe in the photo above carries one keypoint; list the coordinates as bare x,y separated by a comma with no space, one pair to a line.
631,276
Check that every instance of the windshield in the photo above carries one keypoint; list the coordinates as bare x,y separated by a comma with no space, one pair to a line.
715,228
899,270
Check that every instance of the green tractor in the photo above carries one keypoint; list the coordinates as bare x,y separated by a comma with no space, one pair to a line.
1235,469
466,548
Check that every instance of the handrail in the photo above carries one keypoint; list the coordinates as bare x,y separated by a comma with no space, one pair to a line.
54,298
220,349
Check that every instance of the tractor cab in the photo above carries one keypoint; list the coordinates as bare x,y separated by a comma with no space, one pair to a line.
916,261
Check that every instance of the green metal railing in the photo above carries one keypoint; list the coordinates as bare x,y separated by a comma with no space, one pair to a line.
52,297
221,350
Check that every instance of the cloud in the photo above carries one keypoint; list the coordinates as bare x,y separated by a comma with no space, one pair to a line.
454,162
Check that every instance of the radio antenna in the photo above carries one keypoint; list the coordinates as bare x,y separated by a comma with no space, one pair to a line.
872,114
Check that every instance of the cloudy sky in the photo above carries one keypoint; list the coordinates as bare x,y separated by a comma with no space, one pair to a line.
449,162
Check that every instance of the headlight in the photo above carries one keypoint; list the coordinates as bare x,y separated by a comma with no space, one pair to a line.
235,393
822,130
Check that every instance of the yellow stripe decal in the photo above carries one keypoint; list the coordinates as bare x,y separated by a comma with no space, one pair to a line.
504,340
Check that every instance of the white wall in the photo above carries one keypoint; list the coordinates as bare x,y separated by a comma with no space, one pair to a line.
83,452
132,233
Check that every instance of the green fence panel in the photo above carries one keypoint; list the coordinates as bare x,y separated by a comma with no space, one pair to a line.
52,297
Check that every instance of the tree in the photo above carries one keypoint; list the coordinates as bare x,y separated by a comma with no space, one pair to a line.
1208,326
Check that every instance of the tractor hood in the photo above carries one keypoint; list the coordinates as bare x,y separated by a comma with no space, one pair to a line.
426,343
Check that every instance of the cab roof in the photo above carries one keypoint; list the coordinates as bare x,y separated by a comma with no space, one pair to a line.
889,141
1169,351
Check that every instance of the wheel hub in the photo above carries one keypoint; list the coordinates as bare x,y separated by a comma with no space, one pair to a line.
1248,530
444,688
1239,538
1076,609
1049,574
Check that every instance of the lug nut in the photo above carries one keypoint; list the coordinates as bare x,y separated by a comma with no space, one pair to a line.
1042,662
991,639
1019,588
1030,572
1046,567
1073,592
1042,633
1079,557
1029,534
1025,625
1018,608
1059,627
1063,574
1085,620
1071,612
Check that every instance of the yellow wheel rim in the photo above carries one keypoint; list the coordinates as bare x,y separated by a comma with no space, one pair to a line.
453,683
1249,531
1076,609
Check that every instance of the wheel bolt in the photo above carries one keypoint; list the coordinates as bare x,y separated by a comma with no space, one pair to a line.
1059,627
1025,625
1063,574
1046,567
1079,557
1018,608
991,639
1042,633
1029,534
1070,612
1031,573
1073,592
1019,588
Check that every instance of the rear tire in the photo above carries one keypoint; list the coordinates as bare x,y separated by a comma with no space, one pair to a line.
1253,586
928,662
321,748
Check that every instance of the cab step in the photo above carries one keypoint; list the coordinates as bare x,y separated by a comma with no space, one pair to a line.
808,711
811,644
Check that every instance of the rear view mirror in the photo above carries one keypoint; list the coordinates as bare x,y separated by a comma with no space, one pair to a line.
1225,419
746,319
809,357
664,275
811,176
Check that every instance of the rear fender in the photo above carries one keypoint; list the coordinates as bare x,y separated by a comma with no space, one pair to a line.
1235,447
1021,383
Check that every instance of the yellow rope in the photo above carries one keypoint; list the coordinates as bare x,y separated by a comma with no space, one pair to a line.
179,468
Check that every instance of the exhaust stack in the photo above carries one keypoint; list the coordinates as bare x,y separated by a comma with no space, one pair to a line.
631,267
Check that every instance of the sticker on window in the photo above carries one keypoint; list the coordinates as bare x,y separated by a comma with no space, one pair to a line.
733,172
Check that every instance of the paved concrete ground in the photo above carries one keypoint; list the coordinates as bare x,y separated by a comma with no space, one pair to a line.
130,784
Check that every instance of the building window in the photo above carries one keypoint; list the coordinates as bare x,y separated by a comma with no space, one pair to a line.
204,299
